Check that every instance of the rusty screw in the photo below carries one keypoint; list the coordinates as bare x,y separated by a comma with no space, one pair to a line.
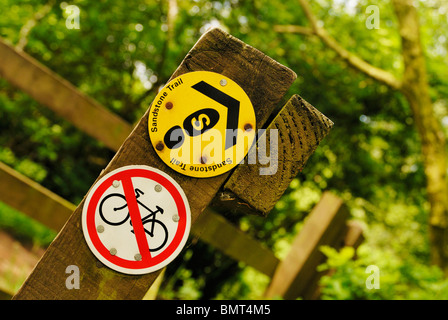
160,146
247,127
169,105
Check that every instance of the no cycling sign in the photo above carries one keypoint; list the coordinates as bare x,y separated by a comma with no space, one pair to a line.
136,219
202,124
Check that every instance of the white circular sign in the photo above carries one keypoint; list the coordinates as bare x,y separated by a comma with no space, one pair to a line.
136,219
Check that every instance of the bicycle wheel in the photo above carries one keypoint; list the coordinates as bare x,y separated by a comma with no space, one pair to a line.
159,230
114,209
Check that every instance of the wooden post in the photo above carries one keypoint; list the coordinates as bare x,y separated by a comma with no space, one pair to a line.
352,237
265,82
324,225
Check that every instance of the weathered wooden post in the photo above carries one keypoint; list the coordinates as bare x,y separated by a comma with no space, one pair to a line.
296,275
265,81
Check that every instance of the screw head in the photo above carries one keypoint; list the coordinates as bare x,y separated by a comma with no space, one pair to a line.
223,82
113,251
247,127
116,183
158,188
176,218
203,159
169,105
100,229
160,146
138,257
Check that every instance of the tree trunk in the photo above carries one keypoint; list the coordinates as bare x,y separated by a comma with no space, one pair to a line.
416,90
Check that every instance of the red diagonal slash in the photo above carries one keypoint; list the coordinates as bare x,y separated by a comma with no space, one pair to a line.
136,219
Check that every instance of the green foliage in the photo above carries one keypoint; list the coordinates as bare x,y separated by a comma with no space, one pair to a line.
398,278
123,52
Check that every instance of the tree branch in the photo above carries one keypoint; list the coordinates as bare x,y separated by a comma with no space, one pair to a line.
31,23
351,59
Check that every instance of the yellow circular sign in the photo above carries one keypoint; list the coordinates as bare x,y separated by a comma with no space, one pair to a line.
202,124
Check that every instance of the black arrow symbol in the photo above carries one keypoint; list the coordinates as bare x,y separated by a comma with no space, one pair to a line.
232,105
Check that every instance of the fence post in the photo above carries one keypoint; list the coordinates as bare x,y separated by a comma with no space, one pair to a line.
353,237
324,226
265,82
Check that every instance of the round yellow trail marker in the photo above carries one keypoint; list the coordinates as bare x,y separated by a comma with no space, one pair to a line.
202,124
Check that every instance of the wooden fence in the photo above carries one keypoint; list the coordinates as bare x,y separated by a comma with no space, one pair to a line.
301,128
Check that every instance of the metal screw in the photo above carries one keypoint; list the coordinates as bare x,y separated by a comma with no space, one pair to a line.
116,183
203,160
100,229
176,217
158,188
223,82
169,105
113,251
138,257
247,127
160,146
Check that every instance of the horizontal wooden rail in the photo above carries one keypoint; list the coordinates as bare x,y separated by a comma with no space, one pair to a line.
56,93
29,197
215,230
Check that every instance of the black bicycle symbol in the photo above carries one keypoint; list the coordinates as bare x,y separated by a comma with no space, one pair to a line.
116,215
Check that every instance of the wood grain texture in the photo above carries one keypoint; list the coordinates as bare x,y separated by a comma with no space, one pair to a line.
301,127
49,89
324,226
264,80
